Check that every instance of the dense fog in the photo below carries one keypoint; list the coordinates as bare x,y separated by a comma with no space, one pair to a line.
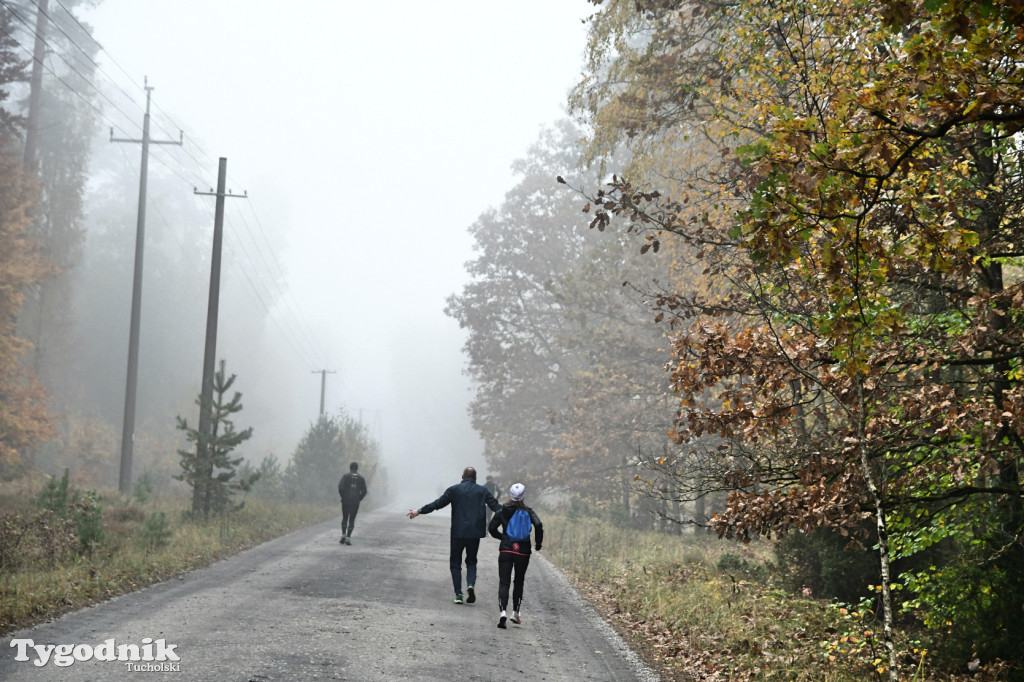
367,146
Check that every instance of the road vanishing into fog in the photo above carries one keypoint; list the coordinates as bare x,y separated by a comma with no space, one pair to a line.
304,607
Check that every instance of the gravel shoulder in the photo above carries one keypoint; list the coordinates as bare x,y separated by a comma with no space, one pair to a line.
304,607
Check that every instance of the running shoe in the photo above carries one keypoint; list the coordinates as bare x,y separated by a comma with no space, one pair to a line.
458,598
501,622
515,618
470,595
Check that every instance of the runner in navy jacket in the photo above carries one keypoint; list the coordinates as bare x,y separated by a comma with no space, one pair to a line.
512,554
467,499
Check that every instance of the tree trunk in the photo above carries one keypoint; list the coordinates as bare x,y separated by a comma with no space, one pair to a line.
1011,506
700,512
883,538
677,510
625,488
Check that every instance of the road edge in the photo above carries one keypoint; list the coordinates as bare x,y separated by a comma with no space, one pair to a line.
643,672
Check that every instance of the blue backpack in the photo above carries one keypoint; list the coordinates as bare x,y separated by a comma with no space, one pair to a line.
518,527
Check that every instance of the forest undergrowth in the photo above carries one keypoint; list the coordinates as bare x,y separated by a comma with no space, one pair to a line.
63,549
698,608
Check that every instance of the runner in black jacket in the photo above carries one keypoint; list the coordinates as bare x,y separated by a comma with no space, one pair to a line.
352,488
513,555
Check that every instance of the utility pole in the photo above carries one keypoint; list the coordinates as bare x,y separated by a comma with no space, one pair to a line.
128,425
212,310
35,93
323,386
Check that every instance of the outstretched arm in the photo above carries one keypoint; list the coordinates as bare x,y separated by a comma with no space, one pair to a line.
442,501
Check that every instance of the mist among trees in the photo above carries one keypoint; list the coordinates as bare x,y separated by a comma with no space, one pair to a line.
829,203
767,283
70,223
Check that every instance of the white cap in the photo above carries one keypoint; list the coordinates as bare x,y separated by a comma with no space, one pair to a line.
517,492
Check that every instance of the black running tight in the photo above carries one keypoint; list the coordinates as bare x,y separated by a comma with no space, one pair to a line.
507,561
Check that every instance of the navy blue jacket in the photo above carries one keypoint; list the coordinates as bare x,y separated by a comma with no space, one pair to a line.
467,500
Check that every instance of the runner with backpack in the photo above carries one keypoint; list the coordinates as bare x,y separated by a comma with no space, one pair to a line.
352,488
516,521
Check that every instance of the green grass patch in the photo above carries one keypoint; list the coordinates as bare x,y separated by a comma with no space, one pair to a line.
45,572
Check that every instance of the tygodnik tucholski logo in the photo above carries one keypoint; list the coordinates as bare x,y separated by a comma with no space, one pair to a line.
151,656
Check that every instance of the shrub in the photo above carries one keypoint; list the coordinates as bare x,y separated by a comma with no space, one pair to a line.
824,563
578,509
143,488
57,496
155,532
41,538
733,565
65,502
88,518
126,513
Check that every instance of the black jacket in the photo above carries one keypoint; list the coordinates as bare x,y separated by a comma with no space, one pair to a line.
352,487
502,518
467,500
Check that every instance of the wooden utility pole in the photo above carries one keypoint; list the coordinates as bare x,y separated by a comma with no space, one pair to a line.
323,386
212,311
128,425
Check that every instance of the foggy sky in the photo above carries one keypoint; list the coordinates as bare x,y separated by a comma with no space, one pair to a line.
369,136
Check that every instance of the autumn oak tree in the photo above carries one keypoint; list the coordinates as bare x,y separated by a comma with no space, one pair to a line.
865,209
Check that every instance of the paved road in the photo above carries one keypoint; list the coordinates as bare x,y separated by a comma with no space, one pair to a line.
303,607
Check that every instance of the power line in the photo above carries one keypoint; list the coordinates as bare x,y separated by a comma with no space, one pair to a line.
61,29
53,73
266,306
300,329
56,52
86,31
199,270
131,78
282,289
257,285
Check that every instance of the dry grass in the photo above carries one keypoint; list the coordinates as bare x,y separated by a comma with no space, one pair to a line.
697,607
131,556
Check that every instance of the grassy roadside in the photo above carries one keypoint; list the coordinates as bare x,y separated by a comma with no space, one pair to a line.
45,572
707,609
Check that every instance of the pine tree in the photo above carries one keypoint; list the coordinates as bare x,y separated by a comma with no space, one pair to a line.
13,69
324,453
209,469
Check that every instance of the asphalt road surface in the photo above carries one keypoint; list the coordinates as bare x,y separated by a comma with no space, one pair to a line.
304,607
